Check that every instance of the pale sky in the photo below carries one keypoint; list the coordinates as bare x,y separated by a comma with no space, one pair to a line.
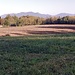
51,7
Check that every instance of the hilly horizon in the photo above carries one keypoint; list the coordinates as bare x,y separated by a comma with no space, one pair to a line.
37,14
27,13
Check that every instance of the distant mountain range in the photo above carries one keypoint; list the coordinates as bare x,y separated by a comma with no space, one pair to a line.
65,14
37,14
27,13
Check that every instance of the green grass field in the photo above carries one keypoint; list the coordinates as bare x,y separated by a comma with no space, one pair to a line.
38,55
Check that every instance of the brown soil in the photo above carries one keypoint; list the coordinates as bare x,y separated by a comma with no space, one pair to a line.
37,29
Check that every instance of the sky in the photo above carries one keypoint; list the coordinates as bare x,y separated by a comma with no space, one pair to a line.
51,7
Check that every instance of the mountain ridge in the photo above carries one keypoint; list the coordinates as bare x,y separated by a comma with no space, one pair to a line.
65,14
27,13
37,14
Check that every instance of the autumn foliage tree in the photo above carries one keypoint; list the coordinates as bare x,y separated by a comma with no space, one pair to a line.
32,20
60,20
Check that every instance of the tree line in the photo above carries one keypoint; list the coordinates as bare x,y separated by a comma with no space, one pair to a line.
32,20
60,20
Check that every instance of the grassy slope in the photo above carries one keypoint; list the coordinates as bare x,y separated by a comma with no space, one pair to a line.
37,55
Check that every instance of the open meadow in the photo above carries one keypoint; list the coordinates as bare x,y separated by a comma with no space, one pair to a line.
37,50
37,29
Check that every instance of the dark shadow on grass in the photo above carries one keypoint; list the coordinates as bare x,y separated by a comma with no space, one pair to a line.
58,27
46,32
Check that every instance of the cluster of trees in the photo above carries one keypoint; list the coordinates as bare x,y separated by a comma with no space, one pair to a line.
21,21
32,20
60,20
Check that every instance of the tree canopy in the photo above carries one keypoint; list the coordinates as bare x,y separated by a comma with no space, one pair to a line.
33,20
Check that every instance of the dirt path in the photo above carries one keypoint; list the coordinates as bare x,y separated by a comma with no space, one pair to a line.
37,29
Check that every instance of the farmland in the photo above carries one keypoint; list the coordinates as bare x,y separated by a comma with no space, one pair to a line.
37,50
37,29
